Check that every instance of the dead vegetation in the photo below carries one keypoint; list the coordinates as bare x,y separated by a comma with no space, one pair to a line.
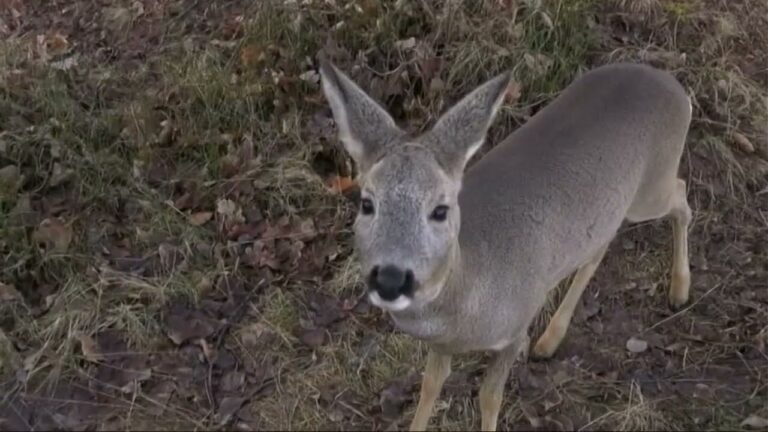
176,254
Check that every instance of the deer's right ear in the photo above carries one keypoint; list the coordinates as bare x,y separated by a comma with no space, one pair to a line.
364,126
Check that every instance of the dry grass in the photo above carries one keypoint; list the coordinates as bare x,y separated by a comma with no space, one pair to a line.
124,152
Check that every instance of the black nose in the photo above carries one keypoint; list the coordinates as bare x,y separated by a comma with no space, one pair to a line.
391,282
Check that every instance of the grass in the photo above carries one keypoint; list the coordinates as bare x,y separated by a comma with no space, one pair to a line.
124,156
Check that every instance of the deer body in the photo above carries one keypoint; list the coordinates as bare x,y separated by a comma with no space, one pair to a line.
541,205
548,198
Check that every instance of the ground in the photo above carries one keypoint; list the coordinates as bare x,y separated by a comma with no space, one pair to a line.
175,215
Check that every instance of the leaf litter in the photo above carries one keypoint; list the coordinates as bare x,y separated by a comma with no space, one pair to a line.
274,249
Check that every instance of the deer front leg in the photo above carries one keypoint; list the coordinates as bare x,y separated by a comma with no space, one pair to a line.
435,373
492,389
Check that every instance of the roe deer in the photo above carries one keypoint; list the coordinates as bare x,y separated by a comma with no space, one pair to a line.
464,260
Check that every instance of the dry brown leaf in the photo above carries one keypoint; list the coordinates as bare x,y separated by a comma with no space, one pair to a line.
229,210
228,407
230,214
90,349
743,143
232,381
251,55
755,422
312,338
57,44
200,218
340,184
514,91
183,325
254,335
54,234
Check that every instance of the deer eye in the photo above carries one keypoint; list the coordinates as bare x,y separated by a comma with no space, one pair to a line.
366,206
439,214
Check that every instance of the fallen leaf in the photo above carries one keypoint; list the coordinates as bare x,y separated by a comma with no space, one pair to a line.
743,143
312,338
229,210
340,184
514,91
636,345
200,218
754,422
8,293
54,234
137,377
255,335
251,55
229,165
57,44
228,407
182,326
171,257
327,310
232,381
90,349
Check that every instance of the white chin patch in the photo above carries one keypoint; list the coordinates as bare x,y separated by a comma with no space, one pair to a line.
398,304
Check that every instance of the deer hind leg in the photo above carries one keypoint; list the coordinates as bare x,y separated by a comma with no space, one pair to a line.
558,325
435,373
681,272
672,203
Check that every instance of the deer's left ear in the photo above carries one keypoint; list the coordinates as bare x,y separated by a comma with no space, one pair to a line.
461,131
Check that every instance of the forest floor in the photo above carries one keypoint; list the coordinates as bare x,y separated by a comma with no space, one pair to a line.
175,245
